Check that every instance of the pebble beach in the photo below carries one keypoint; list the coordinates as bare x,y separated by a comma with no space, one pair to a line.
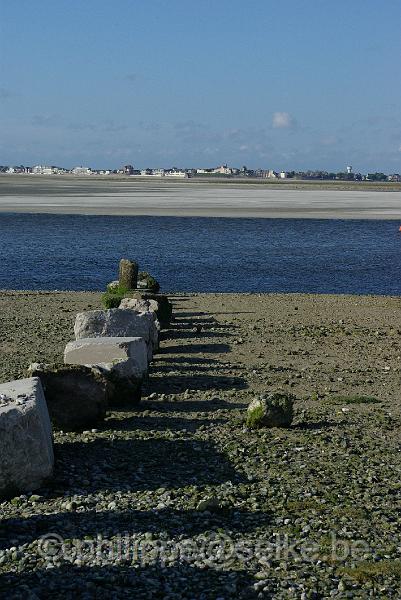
178,499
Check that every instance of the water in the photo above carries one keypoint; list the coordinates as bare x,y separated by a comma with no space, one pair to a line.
71,252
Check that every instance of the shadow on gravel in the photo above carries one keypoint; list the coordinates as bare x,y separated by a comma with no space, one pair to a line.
189,334
195,348
187,360
183,317
176,384
77,525
204,323
139,464
190,367
179,581
161,423
201,405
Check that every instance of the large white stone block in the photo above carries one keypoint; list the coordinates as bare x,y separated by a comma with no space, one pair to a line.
125,356
117,322
26,446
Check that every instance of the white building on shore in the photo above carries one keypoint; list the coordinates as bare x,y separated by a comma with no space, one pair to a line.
176,173
81,171
44,170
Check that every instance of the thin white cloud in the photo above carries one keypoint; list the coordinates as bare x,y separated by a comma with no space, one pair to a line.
282,120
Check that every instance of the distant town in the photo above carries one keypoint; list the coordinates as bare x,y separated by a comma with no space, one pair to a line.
221,171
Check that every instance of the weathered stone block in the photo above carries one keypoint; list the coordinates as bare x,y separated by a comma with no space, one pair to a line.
117,322
125,356
165,308
26,446
76,396
140,305
128,274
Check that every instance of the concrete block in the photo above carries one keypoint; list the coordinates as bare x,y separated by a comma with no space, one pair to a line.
26,446
117,322
126,356
76,395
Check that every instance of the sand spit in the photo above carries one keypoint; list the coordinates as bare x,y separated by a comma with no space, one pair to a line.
126,197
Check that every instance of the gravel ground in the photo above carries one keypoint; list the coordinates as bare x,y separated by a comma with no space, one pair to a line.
178,500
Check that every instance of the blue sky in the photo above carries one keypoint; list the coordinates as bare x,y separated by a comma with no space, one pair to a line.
289,84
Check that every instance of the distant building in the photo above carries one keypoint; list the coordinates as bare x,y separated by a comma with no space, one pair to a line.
223,170
283,175
44,170
81,171
349,170
272,174
176,173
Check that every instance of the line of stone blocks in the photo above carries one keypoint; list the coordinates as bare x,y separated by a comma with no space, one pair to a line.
105,365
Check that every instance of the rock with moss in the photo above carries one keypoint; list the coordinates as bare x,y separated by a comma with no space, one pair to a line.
76,395
271,410
148,282
111,300
113,295
113,287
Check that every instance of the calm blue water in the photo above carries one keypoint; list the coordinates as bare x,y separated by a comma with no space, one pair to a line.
68,252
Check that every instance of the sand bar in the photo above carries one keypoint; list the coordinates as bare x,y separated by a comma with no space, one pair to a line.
130,197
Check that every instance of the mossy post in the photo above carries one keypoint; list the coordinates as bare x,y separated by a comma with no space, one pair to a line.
128,274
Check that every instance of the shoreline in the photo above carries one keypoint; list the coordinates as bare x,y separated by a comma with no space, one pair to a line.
177,295
333,215
291,184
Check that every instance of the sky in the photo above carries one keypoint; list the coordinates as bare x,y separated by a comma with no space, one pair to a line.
273,84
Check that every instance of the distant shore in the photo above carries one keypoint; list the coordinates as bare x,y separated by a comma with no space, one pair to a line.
197,197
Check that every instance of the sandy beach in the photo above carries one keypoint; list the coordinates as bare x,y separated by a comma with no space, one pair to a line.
318,200
182,469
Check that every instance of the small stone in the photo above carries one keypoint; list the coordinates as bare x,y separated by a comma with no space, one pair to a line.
208,504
